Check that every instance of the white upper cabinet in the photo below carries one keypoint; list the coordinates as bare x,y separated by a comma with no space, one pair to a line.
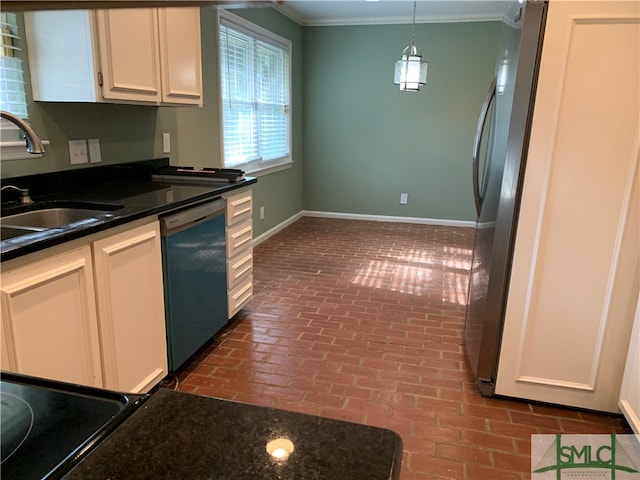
129,52
180,54
135,55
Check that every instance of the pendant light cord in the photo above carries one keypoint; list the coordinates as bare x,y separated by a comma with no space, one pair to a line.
413,27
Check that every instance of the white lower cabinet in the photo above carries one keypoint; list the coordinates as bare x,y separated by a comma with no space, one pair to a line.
54,325
49,321
239,233
128,274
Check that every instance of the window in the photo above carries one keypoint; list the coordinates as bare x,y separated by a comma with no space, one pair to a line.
12,96
254,95
12,91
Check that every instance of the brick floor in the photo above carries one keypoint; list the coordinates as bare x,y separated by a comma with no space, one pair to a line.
362,321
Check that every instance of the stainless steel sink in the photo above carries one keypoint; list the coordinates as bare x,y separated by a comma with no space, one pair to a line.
47,215
50,217
11,232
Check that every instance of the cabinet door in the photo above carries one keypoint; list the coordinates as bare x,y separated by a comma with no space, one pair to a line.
181,56
129,54
49,319
574,280
128,269
57,38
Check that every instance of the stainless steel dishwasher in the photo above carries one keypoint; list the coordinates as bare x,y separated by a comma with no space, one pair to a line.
195,277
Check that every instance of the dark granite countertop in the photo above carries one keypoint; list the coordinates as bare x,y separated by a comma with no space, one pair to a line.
183,436
126,187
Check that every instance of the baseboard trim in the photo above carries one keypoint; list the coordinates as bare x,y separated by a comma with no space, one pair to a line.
386,218
356,216
262,237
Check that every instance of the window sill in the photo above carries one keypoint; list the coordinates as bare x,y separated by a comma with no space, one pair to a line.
17,151
266,170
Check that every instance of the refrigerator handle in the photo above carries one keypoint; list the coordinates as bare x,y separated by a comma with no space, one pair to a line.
482,120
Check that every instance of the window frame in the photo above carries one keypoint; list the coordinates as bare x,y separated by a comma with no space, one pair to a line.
12,141
255,167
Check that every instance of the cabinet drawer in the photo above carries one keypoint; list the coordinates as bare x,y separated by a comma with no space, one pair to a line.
239,266
239,237
240,295
239,207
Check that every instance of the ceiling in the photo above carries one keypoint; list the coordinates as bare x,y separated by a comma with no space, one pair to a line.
366,12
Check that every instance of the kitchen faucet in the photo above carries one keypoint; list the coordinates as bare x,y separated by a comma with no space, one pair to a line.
34,145
25,199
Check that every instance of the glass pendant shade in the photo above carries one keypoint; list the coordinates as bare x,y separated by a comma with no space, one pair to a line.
411,71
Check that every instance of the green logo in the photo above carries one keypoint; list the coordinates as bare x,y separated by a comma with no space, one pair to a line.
587,456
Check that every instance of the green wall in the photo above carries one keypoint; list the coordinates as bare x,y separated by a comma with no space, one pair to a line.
357,142
133,132
366,142
196,132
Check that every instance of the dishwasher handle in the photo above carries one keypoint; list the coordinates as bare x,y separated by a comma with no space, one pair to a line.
184,219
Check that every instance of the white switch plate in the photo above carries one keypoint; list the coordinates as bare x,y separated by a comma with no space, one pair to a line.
166,143
78,152
261,213
404,198
94,150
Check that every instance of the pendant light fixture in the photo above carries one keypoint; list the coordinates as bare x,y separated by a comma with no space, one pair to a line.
411,71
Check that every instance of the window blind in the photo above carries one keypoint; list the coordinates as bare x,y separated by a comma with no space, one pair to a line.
12,91
255,95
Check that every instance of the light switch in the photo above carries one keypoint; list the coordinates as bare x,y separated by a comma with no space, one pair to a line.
78,152
166,143
94,150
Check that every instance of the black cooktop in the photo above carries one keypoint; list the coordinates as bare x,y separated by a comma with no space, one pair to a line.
47,427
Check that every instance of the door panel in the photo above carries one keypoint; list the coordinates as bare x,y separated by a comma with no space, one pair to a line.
129,53
49,319
575,272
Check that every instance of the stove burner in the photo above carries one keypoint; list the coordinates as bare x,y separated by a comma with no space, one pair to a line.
47,427
16,418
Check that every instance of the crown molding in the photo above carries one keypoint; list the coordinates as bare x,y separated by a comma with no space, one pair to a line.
288,12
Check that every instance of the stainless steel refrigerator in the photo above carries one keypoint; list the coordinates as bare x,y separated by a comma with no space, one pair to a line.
499,161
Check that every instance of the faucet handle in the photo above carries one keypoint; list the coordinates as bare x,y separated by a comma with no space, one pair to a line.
25,199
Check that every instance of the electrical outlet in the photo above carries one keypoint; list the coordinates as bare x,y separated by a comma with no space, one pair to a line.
261,213
404,198
94,150
166,143
78,152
